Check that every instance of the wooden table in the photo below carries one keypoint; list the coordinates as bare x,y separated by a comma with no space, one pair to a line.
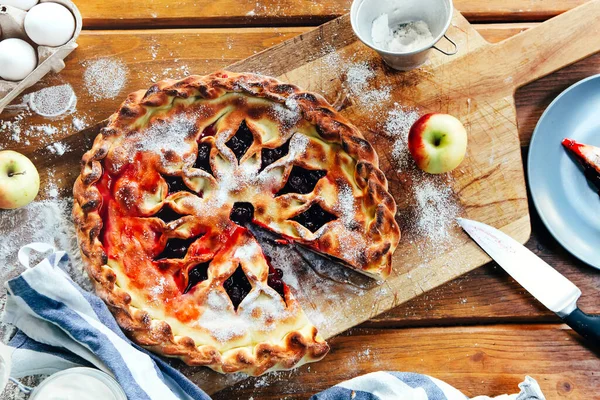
482,332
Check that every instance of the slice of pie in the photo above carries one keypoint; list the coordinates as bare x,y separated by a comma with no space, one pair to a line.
166,194
589,158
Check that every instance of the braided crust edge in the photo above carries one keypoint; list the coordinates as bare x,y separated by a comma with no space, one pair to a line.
297,347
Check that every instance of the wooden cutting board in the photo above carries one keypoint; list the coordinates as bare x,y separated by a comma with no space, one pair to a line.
477,86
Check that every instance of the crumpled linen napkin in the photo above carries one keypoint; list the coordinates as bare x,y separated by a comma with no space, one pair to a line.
62,326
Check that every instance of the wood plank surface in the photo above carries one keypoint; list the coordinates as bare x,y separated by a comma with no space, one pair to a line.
204,13
472,297
490,360
488,295
208,50
485,295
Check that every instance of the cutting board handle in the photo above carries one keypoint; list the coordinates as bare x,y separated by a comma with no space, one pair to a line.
552,45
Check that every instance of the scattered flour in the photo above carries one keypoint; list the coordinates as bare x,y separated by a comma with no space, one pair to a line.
359,77
58,148
436,210
52,190
18,130
397,126
47,221
79,123
52,101
105,78
331,58
434,207
153,48
170,73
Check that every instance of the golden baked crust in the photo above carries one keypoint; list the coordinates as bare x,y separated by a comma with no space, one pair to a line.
145,189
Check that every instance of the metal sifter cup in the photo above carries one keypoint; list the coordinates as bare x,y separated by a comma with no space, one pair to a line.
436,13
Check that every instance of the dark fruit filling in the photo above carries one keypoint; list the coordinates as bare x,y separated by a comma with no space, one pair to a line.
241,141
167,214
209,131
196,275
242,213
269,156
176,184
203,158
302,181
176,248
274,280
237,287
592,175
314,218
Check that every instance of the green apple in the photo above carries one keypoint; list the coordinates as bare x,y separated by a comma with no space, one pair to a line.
437,143
19,180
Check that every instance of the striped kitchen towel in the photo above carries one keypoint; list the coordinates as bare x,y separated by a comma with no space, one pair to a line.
411,386
62,326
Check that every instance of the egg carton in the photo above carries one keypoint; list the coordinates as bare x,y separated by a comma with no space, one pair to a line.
49,58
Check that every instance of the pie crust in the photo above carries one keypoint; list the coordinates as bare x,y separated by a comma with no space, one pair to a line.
164,193
588,157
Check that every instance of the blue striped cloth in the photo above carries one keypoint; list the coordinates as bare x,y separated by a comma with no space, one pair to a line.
62,326
411,386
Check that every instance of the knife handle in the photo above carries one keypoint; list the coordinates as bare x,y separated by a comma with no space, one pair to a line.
586,325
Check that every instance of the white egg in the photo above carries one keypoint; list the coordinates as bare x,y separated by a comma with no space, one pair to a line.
49,24
22,4
17,59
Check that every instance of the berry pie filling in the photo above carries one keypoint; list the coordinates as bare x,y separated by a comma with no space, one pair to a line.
185,169
167,253
588,157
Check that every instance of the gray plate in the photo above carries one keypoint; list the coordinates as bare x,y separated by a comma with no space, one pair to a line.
568,205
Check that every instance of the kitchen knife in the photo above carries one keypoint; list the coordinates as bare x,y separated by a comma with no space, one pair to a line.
546,284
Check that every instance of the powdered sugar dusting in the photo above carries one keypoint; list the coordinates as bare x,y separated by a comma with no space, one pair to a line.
157,290
346,206
167,136
217,301
298,145
287,114
258,311
247,251
352,245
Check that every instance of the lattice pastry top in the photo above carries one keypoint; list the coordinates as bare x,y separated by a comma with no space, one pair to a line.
167,189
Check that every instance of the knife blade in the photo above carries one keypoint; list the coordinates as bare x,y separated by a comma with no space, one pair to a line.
546,284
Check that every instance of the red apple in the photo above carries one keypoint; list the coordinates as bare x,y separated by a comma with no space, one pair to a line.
437,143
19,180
